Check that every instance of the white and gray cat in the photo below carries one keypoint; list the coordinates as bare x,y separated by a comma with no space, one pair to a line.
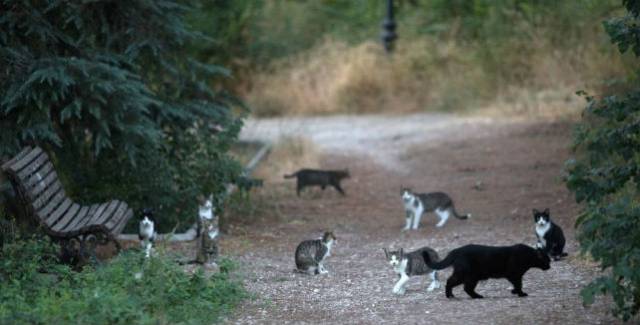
208,241
146,231
311,254
411,264
415,204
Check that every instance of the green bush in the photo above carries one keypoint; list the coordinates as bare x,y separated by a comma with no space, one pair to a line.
109,90
130,289
605,175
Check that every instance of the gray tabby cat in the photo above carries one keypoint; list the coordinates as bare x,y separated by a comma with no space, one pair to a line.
208,242
415,204
310,254
410,264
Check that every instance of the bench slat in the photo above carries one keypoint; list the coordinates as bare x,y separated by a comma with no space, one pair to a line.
43,184
80,223
98,211
79,220
72,225
122,224
101,219
38,176
44,212
67,217
32,167
17,157
117,217
44,197
29,157
55,213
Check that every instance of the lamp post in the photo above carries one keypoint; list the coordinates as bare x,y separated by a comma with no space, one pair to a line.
388,29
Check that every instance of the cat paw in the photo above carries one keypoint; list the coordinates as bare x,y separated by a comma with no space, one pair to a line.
398,292
440,225
477,297
450,295
522,294
324,272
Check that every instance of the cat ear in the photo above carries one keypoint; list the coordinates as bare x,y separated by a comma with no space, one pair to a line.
535,211
546,211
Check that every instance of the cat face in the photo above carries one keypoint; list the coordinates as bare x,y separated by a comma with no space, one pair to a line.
329,237
541,218
542,260
394,257
205,208
147,213
146,223
407,196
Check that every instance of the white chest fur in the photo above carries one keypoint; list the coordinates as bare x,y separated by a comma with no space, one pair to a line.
411,203
146,228
328,245
401,267
542,229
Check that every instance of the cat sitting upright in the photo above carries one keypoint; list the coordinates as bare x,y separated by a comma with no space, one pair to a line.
322,178
474,263
415,204
310,254
146,231
411,264
550,236
208,231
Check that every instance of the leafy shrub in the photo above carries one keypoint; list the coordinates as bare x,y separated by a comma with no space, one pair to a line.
128,290
108,89
605,175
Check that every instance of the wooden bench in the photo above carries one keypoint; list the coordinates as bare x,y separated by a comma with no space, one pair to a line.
39,190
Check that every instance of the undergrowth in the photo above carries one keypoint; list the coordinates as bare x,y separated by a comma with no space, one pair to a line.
35,289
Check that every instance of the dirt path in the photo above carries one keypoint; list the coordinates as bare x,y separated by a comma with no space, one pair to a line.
497,171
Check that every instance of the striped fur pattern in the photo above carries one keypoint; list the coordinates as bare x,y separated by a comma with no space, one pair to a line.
311,254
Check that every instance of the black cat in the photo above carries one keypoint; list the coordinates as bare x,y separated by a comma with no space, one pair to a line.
322,178
474,263
550,236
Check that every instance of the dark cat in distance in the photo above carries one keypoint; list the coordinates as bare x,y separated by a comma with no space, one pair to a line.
550,236
474,263
322,178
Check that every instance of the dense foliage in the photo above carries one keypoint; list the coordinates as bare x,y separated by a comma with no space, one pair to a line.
605,175
130,289
109,90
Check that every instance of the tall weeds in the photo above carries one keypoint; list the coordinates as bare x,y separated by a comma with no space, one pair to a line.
429,74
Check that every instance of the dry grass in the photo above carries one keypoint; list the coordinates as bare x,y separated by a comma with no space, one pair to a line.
433,75
288,155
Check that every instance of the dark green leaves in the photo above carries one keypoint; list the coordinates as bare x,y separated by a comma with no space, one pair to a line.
605,175
109,90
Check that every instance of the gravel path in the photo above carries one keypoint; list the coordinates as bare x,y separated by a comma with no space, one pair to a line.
382,138
498,171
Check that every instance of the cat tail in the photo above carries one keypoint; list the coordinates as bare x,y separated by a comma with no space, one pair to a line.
443,264
459,216
291,175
